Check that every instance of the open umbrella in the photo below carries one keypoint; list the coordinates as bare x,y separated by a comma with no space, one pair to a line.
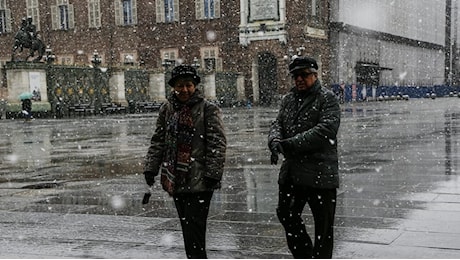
25,95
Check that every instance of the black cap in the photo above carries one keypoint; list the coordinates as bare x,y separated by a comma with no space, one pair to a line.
303,63
184,71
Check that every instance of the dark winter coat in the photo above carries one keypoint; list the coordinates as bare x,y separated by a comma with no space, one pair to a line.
208,145
309,123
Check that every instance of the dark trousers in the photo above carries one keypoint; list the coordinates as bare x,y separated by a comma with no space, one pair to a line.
193,209
322,202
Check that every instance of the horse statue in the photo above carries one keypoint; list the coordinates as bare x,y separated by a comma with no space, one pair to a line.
26,37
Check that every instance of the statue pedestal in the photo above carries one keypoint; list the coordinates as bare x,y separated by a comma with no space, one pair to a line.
24,77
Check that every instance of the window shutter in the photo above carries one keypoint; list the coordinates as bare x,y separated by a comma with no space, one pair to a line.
118,13
134,11
54,18
30,13
94,14
216,8
91,14
97,15
176,10
199,9
160,11
8,20
71,17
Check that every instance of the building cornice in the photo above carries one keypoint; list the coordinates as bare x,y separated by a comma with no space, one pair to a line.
362,32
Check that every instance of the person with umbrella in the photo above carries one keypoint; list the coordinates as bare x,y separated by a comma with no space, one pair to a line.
26,104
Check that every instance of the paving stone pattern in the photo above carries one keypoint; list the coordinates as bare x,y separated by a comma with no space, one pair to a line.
72,188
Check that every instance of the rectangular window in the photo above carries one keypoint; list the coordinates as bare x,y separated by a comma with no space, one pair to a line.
127,12
169,11
94,13
169,57
2,21
32,11
64,17
210,58
207,9
5,17
129,58
66,59
316,12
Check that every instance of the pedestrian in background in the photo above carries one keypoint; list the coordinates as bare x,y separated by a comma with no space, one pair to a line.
305,133
27,108
188,149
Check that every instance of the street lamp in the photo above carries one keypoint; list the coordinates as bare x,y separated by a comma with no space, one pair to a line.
300,50
50,57
298,53
291,54
168,63
96,60
196,63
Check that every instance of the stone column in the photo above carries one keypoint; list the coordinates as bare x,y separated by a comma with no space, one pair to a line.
241,95
282,10
157,87
255,82
209,86
26,77
117,87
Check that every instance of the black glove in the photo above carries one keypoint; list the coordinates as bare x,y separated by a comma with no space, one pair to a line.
149,177
273,145
276,146
274,158
210,182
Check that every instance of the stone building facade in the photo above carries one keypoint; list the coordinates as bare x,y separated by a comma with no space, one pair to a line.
364,42
253,38
394,43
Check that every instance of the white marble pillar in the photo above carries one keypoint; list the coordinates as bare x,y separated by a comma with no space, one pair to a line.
117,88
209,85
255,83
241,95
157,87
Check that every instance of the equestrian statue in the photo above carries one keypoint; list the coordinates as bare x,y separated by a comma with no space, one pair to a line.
27,37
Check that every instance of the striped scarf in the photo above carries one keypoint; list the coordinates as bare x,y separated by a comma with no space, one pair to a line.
178,141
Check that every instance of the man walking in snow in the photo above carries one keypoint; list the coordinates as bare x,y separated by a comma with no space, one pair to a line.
305,133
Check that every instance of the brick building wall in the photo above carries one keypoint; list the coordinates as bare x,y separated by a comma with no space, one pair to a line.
190,37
